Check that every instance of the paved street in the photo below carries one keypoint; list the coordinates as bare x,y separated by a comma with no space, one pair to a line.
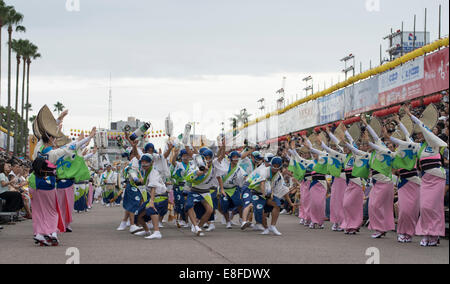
98,242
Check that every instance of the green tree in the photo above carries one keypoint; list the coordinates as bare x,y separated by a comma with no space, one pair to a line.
18,46
4,12
31,54
13,120
59,107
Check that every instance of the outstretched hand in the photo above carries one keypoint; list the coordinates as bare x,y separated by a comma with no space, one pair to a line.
93,132
62,115
363,119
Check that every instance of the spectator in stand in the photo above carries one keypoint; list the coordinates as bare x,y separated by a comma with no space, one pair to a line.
14,201
19,183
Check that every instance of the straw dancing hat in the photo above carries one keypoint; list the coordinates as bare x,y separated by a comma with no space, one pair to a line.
355,131
64,140
36,130
376,126
313,139
46,123
408,123
340,134
430,117
303,150
399,135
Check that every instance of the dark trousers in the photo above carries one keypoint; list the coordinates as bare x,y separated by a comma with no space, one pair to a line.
14,201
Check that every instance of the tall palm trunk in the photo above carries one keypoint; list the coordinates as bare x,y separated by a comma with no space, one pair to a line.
1,27
8,109
16,118
28,95
22,124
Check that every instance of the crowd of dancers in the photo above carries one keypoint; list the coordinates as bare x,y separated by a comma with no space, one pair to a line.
198,183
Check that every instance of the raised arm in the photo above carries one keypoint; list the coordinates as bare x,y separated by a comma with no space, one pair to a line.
370,129
399,142
169,149
246,153
349,137
173,160
331,151
429,136
314,150
379,148
356,151
221,151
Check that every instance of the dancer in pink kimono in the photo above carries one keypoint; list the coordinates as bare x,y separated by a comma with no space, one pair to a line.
355,171
47,216
337,157
307,165
408,185
381,198
431,224
318,187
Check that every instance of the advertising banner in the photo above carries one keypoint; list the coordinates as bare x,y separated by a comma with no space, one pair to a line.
331,107
401,84
307,115
361,97
2,140
436,72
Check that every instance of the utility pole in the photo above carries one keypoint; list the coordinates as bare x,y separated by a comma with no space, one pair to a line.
110,104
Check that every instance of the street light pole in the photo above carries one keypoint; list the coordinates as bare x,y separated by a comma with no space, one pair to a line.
308,87
351,68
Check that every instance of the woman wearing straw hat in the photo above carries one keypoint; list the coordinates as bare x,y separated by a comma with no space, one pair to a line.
318,187
409,181
47,219
338,158
354,193
381,199
303,168
431,224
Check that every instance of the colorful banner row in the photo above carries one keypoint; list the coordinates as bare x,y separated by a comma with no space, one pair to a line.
76,131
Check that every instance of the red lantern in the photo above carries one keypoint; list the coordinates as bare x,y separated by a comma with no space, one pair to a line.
416,103
396,109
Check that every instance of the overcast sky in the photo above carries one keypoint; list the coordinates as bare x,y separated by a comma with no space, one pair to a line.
181,56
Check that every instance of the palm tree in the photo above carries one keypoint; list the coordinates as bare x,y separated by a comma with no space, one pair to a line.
59,107
242,117
12,19
32,118
28,107
27,50
32,53
18,46
4,11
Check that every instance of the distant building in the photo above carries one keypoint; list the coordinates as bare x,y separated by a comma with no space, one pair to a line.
112,150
